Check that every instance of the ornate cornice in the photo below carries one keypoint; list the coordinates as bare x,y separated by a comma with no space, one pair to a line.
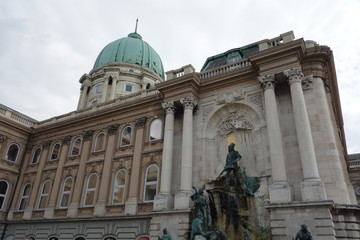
140,122
66,139
169,107
88,135
112,129
234,121
46,144
294,75
2,138
188,102
267,81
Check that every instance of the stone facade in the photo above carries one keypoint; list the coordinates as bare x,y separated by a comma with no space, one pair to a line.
123,167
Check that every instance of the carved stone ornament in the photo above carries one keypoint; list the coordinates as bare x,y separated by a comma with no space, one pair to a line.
307,82
257,99
188,102
46,144
234,121
66,140
88,135
169,107
140,122
294,75
229,97
112,129
2,138
268,81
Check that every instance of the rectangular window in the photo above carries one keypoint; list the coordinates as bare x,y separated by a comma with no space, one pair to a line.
128,88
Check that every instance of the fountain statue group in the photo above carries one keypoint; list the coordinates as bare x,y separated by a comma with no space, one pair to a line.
202,226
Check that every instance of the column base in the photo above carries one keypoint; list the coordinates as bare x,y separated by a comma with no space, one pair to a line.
313,190
28,213
49,212
280,192
182,200
164,201
73,210
131,207
100,209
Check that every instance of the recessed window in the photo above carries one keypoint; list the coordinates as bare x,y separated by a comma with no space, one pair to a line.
119,187
110,238
10,237
53,238
44,195
4,187
24,197
143,238
66,193
130,70
12,152
128,88
98,88
75,148
90,190
55,151
126,136
80,238
99,144
36,155
150,185
155,130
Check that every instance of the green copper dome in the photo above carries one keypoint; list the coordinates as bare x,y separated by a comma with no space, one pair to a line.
131,49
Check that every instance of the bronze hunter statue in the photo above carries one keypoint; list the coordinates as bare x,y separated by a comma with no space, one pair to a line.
231,164
303,234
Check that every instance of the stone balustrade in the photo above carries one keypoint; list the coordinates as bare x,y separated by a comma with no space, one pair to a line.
17,117
354,164
277,41
225,69
180,72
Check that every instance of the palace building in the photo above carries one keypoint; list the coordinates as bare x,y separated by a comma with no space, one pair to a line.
124,163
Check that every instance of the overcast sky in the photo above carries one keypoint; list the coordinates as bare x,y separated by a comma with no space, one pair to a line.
46,46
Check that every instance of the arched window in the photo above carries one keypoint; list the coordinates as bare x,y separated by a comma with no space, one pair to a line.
53,238
150,185
24,197
80,238
32,237
75,148
99,144
126,136
55,151
36,155
90,190
66,192
44,195
12,153
110,238
148,86
4,188
119,187
10,237
155,130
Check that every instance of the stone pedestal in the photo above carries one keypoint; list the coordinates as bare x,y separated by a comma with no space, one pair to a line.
28,213
182,200
280,192
72,210
100,209
163,201
49,212
312,190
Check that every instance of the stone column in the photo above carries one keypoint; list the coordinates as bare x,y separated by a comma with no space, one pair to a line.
331,154
182,198
135,178
36,185
104,90
83,94
280,190
100,207
312,188
165,200
79,183
49,211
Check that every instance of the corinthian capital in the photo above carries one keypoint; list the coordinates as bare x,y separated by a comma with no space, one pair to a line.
294,75
188,102
267,81
169,107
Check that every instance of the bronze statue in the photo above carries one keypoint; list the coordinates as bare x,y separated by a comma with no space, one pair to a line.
166,236
231,164
197,228
303,234
220,235
201,205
